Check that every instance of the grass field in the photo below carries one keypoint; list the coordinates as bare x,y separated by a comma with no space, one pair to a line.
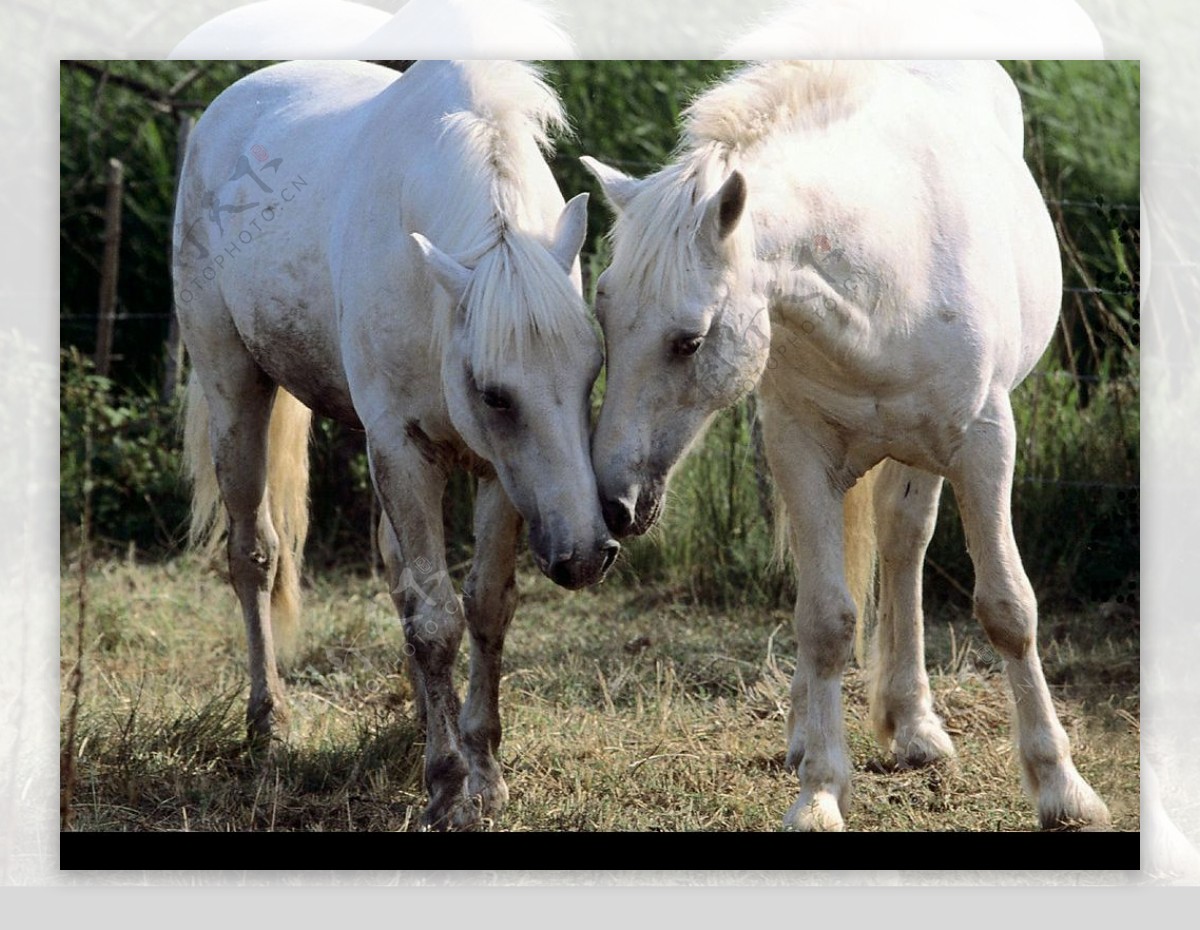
623,710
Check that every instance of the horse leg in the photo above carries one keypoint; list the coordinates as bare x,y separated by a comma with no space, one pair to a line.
411,488
490,598
906,502
240,397
393,567
824,622
982,475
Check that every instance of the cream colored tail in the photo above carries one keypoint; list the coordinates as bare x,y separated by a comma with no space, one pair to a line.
287,499
858,529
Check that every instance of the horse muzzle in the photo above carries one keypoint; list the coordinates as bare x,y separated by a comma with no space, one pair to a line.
635,511
577,568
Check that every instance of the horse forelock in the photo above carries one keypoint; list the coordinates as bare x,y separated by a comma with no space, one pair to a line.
521,307
767,98
656,239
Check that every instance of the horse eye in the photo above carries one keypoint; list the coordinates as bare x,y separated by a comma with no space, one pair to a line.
497,400
687,346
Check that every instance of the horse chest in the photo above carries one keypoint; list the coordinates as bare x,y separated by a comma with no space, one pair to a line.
860,426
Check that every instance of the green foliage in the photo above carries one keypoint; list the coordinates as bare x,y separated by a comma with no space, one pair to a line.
116,109
136,494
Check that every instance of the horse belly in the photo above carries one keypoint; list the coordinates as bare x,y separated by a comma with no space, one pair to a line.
298,353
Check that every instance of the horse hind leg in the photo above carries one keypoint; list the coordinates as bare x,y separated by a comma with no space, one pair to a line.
1006,607
240,399
902,715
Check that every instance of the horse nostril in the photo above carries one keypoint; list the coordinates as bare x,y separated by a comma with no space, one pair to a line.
560,571
610,550
618,515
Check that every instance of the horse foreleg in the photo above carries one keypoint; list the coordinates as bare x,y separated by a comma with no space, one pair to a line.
411,489
982,474
902,715
393,567
824,622
490,598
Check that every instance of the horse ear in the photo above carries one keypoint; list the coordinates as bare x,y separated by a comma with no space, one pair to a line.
570,232
725,209
451,275
618,187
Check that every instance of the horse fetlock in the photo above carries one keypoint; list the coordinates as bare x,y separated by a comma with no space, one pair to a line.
266,717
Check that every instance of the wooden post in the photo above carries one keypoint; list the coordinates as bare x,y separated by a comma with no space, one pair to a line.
173,351
109,267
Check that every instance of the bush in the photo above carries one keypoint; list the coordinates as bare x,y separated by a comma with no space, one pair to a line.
137,496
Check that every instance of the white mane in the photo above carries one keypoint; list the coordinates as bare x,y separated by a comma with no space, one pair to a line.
767,98
518,292
655,236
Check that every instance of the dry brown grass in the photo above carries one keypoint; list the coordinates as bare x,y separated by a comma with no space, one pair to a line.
623,710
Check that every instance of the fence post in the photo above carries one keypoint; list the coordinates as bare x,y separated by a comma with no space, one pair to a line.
109,267
173,350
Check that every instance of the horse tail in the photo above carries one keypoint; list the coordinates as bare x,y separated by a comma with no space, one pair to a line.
287,499
858,532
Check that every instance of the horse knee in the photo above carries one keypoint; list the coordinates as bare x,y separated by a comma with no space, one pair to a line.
825,632
1009,619
432,639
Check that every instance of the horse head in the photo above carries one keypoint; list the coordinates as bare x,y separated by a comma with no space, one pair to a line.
686,333
518,367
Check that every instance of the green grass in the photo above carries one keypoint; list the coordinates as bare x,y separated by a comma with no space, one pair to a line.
623,710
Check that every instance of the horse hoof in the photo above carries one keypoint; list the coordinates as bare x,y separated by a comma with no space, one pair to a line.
491,796
462,815
816,812
1074,807
925,744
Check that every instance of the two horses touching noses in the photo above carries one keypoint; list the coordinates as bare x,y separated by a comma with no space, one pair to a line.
860,242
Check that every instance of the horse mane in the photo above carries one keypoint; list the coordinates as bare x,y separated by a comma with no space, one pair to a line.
722,127
767,98
518,294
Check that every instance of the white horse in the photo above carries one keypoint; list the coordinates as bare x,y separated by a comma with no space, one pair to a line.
864,243
302,263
